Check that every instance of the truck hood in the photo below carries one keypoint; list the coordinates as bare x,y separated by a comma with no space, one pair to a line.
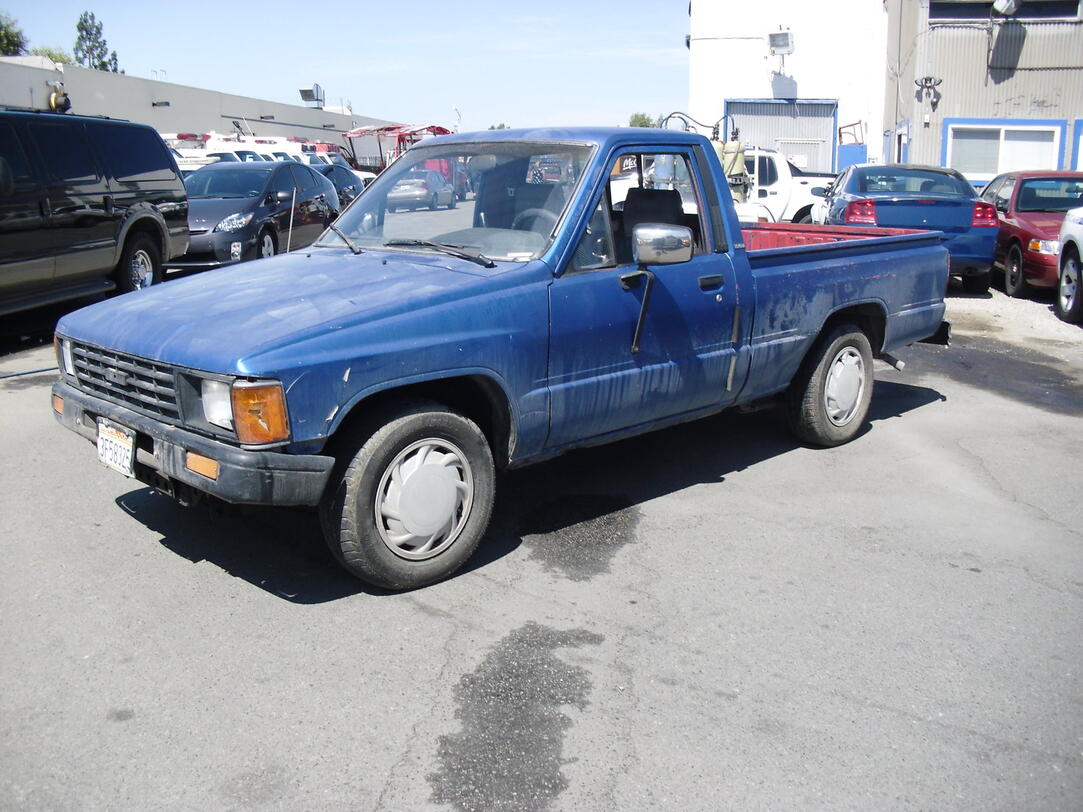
216,320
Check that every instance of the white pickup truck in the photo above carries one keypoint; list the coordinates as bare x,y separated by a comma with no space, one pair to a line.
781,187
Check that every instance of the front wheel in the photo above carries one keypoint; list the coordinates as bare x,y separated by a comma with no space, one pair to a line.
1069,302
267,245
412,499
434,202
1015,284
829,398
140,264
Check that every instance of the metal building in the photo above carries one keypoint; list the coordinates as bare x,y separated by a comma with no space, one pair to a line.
985,87
804,130
28,81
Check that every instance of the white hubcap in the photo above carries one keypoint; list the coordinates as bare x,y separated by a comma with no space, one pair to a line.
845,385
424,499
1069,284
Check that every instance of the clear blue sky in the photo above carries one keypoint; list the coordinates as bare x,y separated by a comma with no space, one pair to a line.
523,64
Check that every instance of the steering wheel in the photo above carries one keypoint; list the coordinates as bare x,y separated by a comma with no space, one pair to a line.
536,214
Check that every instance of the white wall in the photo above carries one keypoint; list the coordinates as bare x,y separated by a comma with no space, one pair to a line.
840,52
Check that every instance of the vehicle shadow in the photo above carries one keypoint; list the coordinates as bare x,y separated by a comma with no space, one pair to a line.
281,551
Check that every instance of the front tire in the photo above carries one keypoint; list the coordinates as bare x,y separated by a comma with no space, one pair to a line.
433,203
1069,301
412,498
828,401
267,247
1015,284
140,264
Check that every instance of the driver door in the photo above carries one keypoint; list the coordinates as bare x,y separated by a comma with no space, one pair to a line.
597,383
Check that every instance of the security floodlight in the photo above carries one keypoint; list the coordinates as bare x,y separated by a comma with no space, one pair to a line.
780,43
1006,8
312,95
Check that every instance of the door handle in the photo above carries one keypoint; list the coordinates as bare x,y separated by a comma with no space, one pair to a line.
712,282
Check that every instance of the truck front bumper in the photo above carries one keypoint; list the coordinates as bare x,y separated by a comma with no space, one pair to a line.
161,457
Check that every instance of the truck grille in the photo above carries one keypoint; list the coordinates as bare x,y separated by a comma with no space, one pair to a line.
145,386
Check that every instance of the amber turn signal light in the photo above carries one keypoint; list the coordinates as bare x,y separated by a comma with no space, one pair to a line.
259,413
199,464
58,404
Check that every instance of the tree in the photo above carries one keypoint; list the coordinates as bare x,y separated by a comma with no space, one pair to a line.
91,49
55,54
12,39
640,120
498,126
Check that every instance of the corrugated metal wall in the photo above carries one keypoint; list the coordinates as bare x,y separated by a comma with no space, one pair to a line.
1013,70
800,129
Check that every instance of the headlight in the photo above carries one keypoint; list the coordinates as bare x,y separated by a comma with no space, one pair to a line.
217,405
1042,246
64,358
235,222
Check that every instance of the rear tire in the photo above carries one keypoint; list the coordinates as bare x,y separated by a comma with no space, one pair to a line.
1069,299
828,401
451,203
140,264
433,203
411,498
978,283
1015,284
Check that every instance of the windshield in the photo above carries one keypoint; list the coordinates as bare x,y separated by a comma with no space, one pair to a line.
1050,194
226,183
502,200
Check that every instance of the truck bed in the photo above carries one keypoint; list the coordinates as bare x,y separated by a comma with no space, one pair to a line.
765,236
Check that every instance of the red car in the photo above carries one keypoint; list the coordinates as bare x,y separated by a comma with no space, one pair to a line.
1031,207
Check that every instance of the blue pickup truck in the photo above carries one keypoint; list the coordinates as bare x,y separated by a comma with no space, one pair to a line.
596,284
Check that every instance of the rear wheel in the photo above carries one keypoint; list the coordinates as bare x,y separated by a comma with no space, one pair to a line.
1069,302
140,264
1015,285
829,398
977,283
433,203
451,203
412,499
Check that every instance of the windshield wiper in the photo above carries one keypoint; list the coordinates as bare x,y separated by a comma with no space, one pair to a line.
352,245
453,250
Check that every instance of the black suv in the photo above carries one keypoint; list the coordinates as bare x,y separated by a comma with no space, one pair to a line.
87,205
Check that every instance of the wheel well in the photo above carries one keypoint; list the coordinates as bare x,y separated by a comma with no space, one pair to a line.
148,227
801,213
473,396
1070,248
869,318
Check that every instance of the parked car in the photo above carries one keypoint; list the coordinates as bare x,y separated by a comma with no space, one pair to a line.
1031,207
240,211
1069,300
347,184
87,205
420,188
929,197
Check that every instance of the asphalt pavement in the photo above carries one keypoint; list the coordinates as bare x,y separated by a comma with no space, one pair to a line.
708,617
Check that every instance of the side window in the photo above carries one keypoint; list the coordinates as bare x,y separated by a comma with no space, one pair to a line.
65,152
1004,194
131,154
838,184
283,181
989,192
306,184
652,188
768,172
12,152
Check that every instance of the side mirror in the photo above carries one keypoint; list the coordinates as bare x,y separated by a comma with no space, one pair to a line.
7,179
659,244
763,193
818,191
282,196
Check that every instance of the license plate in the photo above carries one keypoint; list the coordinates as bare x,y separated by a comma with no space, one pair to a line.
116,447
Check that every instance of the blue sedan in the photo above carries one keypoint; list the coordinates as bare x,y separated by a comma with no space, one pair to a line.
923,197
